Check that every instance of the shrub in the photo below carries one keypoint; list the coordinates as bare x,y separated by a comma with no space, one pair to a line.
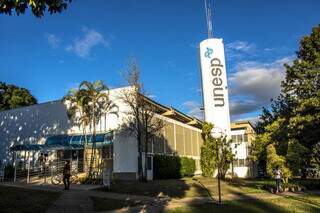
167,167
188,167
8,171
274,160
208,159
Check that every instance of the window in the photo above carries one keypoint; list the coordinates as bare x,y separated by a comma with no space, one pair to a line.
169,138
245,137
234,138
241,162
107,152
249,150
149,163
239,138
235,163
109,136
179,140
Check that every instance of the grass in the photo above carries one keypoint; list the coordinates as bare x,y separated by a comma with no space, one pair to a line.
188,187
301,204
199,186
175,188
106,204
18,200
239,186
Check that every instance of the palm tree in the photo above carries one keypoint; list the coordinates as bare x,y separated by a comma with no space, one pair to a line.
78,111
97,103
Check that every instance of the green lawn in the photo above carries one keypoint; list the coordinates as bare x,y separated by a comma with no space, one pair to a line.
238,186
199,186
106,204
310,203
18,200
188,187
175,188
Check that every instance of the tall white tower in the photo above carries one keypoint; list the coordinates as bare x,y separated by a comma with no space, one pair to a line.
214,79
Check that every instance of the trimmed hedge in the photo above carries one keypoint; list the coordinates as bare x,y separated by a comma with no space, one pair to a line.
171,167
188,167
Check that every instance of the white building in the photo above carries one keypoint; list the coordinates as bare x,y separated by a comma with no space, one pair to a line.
48,123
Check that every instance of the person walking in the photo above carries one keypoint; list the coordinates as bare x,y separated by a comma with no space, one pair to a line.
66,175
277,177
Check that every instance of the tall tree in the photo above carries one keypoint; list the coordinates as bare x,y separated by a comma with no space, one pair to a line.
38,7
142,120
12,97
292,123
302,83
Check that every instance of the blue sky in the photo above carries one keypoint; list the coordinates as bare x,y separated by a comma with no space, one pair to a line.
92,42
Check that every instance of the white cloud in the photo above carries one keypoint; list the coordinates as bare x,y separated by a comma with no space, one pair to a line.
151,96
238,48
82,46
254,84
194,109
53,40
243,46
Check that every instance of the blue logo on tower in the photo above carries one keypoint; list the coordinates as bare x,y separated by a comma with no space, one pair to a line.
208,52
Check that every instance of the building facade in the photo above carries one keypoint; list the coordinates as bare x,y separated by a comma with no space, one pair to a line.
47,124
242,135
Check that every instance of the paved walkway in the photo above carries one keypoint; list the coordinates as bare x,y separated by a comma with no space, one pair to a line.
77,199
72,201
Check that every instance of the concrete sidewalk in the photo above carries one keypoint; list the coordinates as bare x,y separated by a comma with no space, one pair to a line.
71,201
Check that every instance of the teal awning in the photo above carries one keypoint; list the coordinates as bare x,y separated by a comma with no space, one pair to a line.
67,142
44,147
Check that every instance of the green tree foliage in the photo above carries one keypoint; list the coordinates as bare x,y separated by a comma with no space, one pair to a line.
208,155
86,106
215,153
38,7
296,156
274,160
12,97
302,82
292,123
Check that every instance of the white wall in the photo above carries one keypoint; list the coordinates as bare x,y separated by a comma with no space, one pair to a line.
125,157
31,124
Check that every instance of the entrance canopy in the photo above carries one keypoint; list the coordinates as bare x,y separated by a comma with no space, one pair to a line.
67,142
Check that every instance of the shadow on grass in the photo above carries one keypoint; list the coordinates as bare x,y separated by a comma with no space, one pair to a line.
249,204
13,199
161,192
172,188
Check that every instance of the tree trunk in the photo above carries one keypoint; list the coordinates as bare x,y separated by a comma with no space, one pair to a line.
84,148
93,150
145,175
139,158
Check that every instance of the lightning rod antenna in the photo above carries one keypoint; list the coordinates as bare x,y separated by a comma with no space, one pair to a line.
209,18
